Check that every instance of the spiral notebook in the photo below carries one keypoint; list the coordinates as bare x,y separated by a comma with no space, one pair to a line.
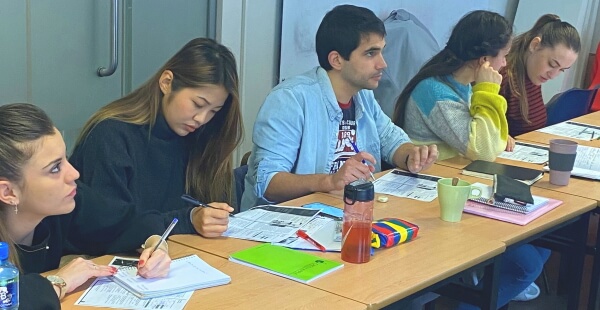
486,194
188,273
506,215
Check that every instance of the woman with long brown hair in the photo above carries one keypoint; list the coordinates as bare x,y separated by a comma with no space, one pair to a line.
538,55
175,134
45,214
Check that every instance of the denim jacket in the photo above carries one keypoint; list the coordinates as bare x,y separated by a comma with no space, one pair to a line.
297,127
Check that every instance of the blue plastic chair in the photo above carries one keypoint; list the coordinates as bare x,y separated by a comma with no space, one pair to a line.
570,104
239,175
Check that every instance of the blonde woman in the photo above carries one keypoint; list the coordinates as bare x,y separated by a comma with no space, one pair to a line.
45,213
538,55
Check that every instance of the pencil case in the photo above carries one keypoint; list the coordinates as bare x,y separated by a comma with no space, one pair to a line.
388,232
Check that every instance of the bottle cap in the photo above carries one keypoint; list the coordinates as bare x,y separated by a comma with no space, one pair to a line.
3,250
359,191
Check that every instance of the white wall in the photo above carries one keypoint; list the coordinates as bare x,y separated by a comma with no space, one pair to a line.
251,29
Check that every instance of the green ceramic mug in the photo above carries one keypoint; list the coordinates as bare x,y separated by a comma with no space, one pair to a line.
453,198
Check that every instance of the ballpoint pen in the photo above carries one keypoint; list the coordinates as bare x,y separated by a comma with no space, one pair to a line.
302,234
197,202
363,161
165,234
162,238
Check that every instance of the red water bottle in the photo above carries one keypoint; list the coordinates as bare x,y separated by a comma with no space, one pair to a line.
358,218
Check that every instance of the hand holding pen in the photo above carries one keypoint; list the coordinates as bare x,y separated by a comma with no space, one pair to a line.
198,203
209,220
155,263
363,161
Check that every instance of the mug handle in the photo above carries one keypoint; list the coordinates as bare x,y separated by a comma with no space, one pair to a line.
478,190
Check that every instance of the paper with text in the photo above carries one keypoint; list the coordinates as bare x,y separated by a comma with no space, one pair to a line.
529,153
105,293
408,185
269,223
574,130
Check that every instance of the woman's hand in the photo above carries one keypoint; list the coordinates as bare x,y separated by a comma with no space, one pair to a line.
211,222
157,264
486,73
510,144
79,270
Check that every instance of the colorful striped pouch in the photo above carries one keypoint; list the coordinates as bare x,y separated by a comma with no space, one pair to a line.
388,232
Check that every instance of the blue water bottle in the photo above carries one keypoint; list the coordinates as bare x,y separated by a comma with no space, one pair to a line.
9,281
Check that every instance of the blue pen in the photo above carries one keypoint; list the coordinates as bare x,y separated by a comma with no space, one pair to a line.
363,161
165,234
197,202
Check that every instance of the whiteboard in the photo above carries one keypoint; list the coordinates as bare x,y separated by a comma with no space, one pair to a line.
301,19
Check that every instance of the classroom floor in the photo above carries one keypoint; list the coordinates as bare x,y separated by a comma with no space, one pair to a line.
547,300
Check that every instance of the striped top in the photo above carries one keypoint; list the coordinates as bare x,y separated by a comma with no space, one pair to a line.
537,110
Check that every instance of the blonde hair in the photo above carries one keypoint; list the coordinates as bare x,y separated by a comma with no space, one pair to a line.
552,31
202,61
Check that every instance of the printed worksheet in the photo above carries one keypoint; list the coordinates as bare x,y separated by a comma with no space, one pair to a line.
574,130
105,293
529,153
324,230
269,223
588,158
405,184
587,163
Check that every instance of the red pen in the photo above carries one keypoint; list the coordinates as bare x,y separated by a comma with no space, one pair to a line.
302,234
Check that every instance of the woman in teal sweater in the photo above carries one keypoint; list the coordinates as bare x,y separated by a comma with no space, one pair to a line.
439,106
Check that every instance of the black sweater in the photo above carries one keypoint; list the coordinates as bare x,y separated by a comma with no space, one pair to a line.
136,168
95,227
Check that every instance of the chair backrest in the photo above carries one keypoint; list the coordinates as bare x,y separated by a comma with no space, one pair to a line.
569,104
239,174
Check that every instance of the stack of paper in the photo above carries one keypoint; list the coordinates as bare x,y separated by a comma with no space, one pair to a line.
187,274
486,194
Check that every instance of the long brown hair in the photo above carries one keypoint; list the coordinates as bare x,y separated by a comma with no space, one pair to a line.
22,125
202,61
552,31
478,33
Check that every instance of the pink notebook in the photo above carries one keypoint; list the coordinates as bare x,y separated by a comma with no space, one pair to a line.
509,216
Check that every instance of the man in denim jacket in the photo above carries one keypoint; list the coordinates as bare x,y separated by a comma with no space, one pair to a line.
309,131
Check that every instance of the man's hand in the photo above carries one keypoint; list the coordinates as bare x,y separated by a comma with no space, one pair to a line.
353,169
421,157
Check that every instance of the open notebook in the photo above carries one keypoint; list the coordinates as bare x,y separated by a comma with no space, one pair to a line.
188,273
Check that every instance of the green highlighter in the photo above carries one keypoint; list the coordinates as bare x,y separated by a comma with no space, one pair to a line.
288,263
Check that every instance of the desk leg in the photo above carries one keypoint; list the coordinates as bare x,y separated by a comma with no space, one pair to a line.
577,260
486,296
490,284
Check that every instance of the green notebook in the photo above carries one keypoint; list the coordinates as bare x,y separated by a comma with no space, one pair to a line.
285,262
